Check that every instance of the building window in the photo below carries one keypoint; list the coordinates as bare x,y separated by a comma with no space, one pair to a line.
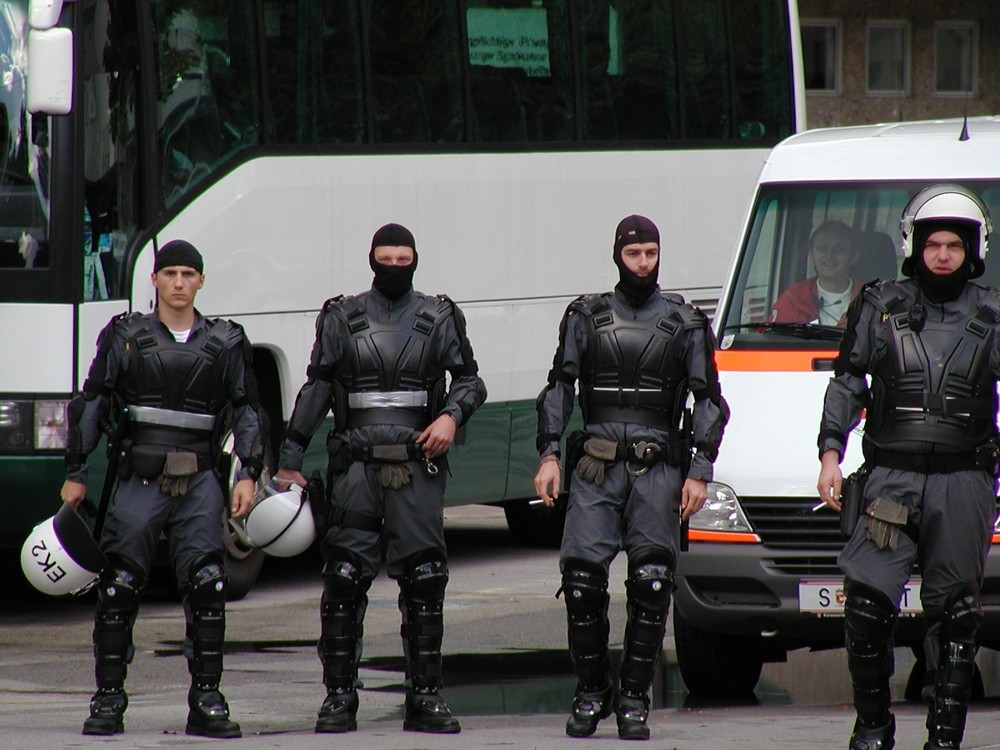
888,57
821,55
956,51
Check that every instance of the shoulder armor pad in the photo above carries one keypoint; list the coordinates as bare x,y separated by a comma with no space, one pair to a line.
989,306
691,317
887,296
590,304
233,332
673,297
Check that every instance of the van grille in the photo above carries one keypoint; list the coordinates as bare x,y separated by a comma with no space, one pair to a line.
791,523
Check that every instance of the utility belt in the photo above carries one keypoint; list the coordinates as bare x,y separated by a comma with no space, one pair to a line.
171,469
984,458
645,416
149,425
384,415
392,462
588,455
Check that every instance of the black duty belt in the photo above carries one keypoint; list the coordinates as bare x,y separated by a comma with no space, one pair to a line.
416,420
147,434
645,417
387,453
926,463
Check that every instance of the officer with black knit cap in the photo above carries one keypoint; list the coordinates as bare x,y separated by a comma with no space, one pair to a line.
635,471
922,356
397,369
177,380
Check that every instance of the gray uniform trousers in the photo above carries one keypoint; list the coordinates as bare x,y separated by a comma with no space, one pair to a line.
141,511
953,514
413,517
624,512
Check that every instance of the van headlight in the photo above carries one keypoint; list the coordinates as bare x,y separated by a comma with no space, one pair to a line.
721,511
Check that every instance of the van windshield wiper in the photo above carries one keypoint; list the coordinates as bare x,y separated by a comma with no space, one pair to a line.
802,330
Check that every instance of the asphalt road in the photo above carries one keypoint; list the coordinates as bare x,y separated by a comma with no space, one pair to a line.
507,672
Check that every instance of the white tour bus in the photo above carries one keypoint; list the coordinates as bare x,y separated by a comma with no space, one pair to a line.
276,135
761,576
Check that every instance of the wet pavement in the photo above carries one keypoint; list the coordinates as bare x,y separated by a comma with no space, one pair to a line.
507,671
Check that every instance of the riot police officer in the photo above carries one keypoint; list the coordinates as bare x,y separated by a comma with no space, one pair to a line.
380,361
175,380
929,346
636,469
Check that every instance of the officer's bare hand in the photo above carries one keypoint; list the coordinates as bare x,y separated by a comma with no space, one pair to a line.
73,492
242,498
438,437
287,477
547,480
830,479
693,496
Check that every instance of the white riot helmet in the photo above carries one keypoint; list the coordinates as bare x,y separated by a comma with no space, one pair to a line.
60,555
947,204
279,522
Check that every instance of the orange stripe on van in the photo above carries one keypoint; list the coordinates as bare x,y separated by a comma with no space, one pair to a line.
729,537
769,361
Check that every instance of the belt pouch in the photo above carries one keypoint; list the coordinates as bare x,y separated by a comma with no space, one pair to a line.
147,463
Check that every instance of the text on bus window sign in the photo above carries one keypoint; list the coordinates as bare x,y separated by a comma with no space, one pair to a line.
510,38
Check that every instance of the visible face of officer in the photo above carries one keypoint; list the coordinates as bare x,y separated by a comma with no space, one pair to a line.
833,257
944,252
177,286
640,257
393,255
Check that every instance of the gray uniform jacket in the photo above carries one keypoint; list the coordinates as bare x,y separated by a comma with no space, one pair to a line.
466,391
86,413
710,414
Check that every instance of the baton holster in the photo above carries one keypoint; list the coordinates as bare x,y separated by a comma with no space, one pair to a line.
852,493
574,451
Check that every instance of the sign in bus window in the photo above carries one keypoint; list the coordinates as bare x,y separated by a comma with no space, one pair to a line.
510,38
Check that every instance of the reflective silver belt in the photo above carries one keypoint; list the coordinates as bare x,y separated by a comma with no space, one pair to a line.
386,399
170,418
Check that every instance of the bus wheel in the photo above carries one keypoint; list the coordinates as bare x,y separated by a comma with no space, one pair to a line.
716,665
536,525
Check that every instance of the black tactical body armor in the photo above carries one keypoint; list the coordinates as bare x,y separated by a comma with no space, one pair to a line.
160,372
633,371
935,384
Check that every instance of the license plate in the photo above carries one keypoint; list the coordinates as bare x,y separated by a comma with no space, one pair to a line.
827,597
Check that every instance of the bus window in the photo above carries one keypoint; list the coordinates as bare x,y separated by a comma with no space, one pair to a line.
520,76
24,205
207,93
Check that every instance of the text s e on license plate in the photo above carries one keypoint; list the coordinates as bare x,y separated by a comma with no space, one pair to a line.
827,597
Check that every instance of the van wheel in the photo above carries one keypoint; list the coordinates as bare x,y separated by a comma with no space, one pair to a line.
716,664
535,525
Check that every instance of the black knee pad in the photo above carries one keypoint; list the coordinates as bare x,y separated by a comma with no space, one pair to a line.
869,615
584,584
650,581
425,576
963,615
119,588
207,583
342,577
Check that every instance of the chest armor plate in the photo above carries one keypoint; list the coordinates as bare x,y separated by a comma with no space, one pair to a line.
633,365
935,384
159,371
390,356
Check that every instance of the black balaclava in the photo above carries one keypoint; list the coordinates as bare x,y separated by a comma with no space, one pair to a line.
631,230
393,281
938,288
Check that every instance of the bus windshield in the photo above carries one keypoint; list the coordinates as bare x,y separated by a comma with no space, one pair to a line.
24,204
809,249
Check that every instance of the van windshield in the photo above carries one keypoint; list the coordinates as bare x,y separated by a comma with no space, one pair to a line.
809,250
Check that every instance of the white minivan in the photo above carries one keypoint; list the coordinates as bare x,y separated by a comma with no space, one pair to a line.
760,576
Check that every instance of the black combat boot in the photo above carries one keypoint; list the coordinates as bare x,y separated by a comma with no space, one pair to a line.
589,707
339,712
118,595
632,713
205,606
585,588
209,713
421,601
873,738
107,712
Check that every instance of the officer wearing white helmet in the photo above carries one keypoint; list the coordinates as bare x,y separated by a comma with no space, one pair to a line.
922,356
381,360
173,376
